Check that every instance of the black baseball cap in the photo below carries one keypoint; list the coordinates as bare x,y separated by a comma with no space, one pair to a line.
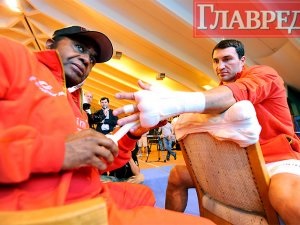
102,41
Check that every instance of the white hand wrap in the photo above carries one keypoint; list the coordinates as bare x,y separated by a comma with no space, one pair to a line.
156,106
128,109
122,131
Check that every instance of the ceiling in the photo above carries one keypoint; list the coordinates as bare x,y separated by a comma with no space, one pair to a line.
153,36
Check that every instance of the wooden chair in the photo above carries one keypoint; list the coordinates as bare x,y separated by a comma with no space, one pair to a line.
231,182
89,212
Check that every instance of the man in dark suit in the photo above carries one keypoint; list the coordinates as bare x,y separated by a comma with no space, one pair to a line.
104,117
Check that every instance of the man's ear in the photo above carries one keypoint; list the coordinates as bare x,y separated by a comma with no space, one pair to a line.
243,60
49,44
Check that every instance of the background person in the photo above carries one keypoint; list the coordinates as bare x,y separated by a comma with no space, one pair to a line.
104,118
143,145
175,145
265,89
167,139
87,101
130,172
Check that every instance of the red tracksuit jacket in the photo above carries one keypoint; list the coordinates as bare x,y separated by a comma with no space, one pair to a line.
37,113
265,89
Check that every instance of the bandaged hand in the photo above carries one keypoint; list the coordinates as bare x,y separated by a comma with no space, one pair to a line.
153,105
156,106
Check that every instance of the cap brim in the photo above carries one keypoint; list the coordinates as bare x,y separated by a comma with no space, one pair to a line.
103,42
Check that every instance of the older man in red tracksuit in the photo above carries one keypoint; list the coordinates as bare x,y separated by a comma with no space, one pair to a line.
48,156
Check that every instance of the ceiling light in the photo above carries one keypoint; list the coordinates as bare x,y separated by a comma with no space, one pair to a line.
207,87
13,5
160,76
118,55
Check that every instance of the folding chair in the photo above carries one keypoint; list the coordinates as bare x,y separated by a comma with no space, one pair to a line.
154,138
89,212
231,181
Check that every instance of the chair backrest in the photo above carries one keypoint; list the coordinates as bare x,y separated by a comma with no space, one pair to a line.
89,212
231,182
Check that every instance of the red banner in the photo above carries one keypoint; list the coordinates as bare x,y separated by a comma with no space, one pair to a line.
246,18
